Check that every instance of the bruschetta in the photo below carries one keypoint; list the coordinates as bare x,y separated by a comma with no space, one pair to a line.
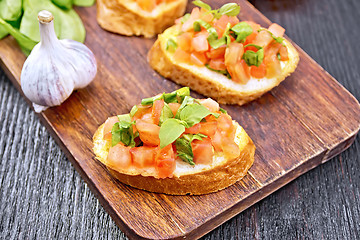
175,144
138,17
215,54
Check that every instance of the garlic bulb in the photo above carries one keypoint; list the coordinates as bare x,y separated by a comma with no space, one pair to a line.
55,67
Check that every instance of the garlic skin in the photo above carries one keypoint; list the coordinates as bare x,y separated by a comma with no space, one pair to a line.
55,67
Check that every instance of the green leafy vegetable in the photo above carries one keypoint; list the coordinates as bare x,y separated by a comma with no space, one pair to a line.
216,42
165,114
254,58
187,100
10,10
133,111
122,131
223,110
278,56
242,30
3,32
84,3
170,130
185,18
171,45
181,93
151,100
224,72
201,4
194,113
184,149
65,4
230,9
176,96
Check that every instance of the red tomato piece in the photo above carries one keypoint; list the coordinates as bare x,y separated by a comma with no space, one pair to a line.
263,39
216,141
200,43
149,132
194,129
206,15
189,24
181,56
119,157
140,112
239,72
233,53
165,162
203,151
208,128
184,41
277,30
174,107
284,55
156,110
217,64
258,72
143,156
273,67
198,58
210,104
109,123
217,53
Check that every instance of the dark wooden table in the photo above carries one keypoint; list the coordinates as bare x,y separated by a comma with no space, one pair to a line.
43,197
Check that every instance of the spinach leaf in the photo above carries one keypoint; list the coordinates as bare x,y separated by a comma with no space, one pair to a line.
10,10
187,100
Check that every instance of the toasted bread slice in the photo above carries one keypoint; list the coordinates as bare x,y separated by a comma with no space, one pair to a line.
187,179
127,18
210,83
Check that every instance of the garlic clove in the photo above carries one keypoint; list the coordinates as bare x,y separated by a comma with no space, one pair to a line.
55,67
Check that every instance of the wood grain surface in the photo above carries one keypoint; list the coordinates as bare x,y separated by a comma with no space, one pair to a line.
39,186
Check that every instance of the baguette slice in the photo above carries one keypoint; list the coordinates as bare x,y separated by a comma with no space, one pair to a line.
211,83
127,18
187,179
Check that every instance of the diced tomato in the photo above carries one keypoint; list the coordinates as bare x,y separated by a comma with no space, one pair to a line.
143,156
119,157
141,111
208,128
239,72
184,41
200,43
277,30
148,117
156,110
149,132
165,162
174,107
233,53
189,24
230,148
216,141
225,123
203,151
147,5
273,67
249,39
206,15
194,129
217,53
217,64
284,55
258,72
181,56
263,39
221,24
109,123
254,26
272,49
198,58
210,104
233,20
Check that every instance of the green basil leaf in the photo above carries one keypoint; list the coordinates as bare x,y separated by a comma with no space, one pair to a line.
181,93
122,131
187,100
171,45
205,25
194,113
223,110
185,18
278,56
216,43
165,114
254,58
197,27
224,72
201,4
184,150
170,97
230,9
151,100
242,30
170,130
133,111
124,117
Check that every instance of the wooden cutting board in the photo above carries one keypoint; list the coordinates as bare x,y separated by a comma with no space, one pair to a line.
302,123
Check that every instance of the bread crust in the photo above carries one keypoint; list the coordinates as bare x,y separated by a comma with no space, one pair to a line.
126,18
210,180
217,86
